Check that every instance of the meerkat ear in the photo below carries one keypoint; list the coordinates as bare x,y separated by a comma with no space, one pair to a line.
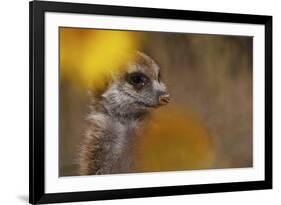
143,58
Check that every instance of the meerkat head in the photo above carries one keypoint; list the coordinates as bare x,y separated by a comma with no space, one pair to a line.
136,90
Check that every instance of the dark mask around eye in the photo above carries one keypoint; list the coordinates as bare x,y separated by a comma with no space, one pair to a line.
137,79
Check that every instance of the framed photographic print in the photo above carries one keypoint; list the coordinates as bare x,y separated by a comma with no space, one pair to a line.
140,102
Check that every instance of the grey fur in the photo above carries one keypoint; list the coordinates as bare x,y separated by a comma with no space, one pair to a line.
116,119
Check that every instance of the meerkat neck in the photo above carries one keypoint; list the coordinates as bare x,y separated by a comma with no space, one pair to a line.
119,113
109,143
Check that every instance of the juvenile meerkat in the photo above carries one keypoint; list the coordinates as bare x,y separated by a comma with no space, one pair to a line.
117,115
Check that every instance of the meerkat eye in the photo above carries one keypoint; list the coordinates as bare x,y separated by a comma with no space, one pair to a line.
137,79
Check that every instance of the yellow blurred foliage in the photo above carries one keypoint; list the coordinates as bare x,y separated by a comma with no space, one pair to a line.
175,140
91,58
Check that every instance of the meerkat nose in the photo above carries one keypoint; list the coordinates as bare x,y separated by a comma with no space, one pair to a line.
164,99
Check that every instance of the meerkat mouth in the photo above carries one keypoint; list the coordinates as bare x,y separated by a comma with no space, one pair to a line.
147,105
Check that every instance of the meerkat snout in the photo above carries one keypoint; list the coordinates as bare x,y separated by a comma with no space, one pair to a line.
164,99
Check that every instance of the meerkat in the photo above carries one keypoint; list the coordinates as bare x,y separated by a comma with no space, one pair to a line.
115,120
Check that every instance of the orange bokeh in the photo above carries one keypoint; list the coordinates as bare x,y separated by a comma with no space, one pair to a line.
175,140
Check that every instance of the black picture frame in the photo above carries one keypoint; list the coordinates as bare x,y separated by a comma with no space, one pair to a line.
37,11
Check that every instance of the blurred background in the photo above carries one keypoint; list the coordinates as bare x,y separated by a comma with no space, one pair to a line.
208,124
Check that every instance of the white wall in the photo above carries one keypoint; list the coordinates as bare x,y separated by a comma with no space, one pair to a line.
14,100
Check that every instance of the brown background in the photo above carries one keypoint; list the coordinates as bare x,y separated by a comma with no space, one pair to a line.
209,74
